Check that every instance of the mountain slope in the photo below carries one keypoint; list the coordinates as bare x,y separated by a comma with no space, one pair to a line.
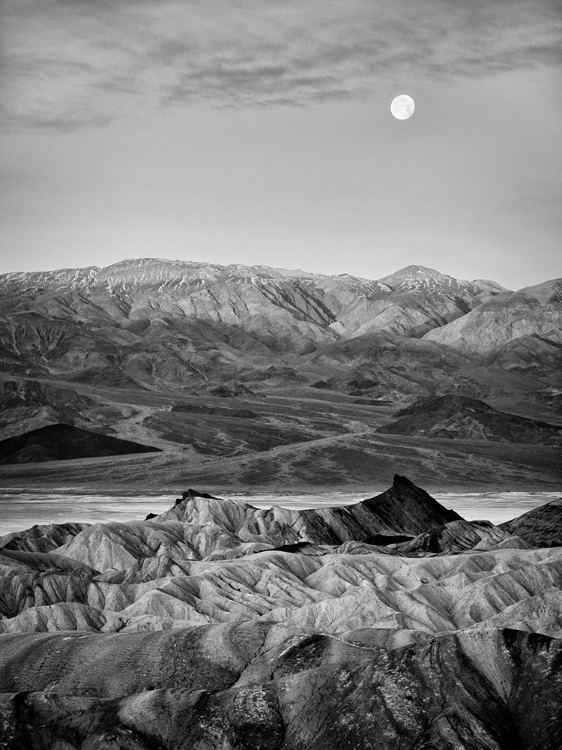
151,321
541,527
413,301
526,316
131,346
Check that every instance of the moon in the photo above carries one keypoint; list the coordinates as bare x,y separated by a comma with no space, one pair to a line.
402,107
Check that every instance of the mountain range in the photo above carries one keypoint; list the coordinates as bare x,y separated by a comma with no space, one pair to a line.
270,368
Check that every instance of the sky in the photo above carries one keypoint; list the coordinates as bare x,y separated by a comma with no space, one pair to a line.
260,132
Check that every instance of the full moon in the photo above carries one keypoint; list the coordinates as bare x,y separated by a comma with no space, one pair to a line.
402,107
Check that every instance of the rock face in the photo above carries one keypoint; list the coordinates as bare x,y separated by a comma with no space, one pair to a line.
469,418
217,624
62,441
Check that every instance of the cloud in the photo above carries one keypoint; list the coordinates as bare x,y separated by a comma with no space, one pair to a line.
72,61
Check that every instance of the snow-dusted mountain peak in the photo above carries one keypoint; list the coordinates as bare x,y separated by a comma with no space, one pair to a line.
413,278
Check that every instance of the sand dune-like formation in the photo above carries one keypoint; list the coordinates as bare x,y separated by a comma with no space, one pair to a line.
392,623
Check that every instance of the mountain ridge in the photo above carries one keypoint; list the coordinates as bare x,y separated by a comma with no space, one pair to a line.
180,331
74,314
128,266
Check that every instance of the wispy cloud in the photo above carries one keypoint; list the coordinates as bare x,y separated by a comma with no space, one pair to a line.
72,61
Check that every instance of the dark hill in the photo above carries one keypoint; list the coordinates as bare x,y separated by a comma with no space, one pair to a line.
469,419
541,527
57,442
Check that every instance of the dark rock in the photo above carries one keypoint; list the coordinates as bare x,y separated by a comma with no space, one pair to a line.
296,547
190,494
194,493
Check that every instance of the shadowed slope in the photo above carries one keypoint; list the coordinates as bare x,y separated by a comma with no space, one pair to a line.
541,527
62,441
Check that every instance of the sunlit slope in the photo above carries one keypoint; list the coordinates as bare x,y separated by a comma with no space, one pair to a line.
171,324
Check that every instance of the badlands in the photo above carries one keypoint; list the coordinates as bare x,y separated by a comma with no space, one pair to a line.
391,624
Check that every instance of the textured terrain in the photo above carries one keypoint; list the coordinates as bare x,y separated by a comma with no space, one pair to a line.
254,376
469,418
391,623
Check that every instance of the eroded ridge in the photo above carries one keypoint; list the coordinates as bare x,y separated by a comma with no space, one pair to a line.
392,623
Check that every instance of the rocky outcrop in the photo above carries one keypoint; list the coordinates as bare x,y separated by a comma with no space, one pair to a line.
469,419
62,441
202,527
